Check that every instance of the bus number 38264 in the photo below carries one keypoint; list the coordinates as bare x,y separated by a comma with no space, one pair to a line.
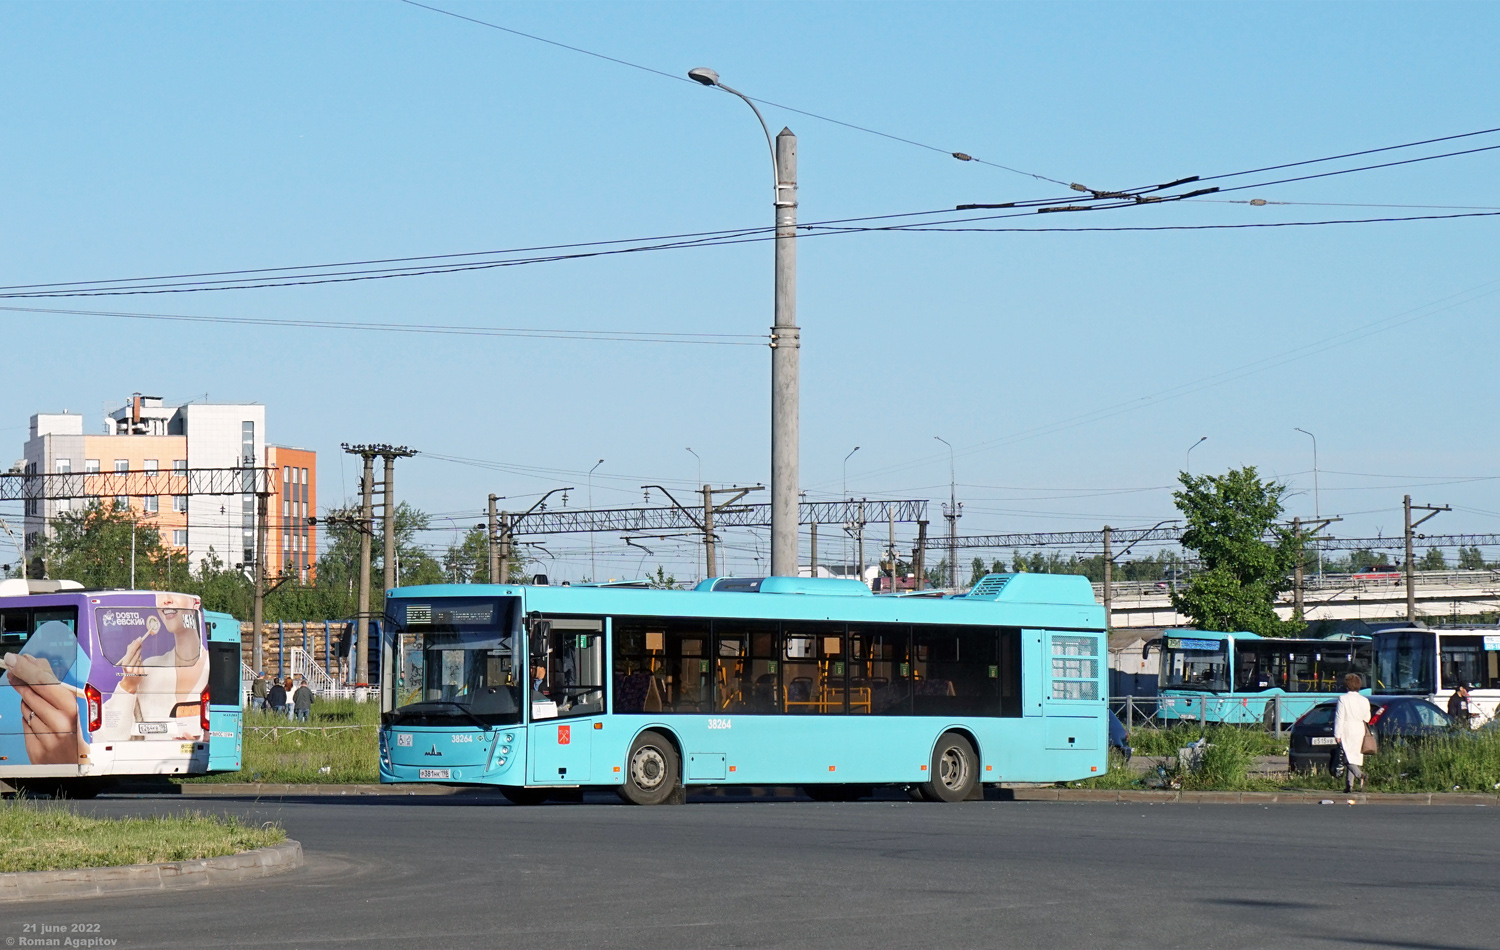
718,724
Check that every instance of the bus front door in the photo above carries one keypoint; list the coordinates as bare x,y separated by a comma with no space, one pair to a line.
560,751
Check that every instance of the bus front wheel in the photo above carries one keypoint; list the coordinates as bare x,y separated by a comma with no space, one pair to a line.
954,770
651,770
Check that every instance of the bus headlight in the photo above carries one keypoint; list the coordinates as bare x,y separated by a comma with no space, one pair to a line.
504,750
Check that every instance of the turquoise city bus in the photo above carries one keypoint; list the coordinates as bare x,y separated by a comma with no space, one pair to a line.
226,715
743,681
1245,678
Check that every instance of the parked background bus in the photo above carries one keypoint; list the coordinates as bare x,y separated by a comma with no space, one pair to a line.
1244,678
98,685
744,681
226,713
1432,663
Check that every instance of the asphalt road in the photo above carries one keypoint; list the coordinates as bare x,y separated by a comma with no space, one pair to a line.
433,872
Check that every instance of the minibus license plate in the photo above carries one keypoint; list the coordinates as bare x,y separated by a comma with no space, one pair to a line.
434,773
151,728
1324,740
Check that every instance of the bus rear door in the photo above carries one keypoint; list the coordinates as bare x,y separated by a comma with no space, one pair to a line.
225,694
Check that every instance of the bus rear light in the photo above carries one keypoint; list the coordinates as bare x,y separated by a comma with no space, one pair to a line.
1093,768
95,701
203,709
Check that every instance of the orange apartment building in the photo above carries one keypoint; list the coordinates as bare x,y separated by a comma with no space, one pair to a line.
157,441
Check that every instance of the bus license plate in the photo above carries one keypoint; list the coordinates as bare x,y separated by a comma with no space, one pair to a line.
1324,740
434,773
150,728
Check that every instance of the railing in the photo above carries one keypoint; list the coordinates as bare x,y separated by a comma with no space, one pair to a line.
1275,713
318,679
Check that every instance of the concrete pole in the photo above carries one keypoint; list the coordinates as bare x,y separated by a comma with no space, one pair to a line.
786,344
504,574
392,578
494,546
813,559
1297,595
891,516
362,618
919,558
1411,579
258,607
1109,587
710,561
861,543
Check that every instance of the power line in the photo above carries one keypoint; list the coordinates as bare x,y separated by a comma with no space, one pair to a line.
615,336
961,156
1368,151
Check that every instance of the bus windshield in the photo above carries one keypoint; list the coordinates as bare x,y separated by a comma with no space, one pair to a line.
455,662
1404,662
1195,664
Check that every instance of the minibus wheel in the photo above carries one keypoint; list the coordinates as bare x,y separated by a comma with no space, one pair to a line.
651,770
954,770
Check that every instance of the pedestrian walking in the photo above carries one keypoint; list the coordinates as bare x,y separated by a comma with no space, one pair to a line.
258,690
276,699
1351,725
302,700
1458,707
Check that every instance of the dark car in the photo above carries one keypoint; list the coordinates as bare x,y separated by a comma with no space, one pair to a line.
1407,717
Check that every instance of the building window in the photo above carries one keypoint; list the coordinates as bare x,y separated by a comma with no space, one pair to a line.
179,465
122,465
286,475
151,466
62,466
64,504
179,537
179,503
286,509
150,504
90,466
122,501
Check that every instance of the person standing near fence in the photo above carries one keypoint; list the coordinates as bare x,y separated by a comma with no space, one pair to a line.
276,698
258,690
302,700
1351,723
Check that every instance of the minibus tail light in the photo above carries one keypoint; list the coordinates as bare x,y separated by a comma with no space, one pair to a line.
203,710
95,702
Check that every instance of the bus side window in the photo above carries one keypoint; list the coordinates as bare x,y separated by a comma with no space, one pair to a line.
15,627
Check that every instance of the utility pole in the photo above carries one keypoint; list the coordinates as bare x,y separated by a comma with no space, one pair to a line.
1411,578
361,660
786,341
919,558
1109,590
952,511
891,516
504,557
494,545
812,570
708,532
861,537
1297,595
786,344
258,606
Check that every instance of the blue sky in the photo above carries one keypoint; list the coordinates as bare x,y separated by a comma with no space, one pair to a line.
151,139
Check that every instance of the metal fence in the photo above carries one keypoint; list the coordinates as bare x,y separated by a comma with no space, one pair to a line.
1274,713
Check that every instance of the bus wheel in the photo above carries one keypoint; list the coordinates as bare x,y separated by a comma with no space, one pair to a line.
651,770
525,796
954,770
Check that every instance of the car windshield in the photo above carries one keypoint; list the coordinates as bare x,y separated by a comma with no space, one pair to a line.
1404,662
454,661
1188,663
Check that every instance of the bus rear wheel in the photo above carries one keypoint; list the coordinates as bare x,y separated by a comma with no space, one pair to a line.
651,770
954,770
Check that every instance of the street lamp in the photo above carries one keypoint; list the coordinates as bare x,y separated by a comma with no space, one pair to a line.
786,340
700,464
1189,466
952,511
593,570
846,498
1317,509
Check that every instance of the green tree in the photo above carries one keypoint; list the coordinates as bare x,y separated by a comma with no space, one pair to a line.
1433,560
976,570
1247,555
1470,559
92,546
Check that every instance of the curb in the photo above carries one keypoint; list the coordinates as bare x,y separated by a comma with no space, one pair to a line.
133,878
239,789
1247,798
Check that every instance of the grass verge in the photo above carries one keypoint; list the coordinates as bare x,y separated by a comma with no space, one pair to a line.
46,836
1167,741
338,746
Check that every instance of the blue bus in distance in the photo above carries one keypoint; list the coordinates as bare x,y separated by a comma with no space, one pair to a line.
743,681
1243,678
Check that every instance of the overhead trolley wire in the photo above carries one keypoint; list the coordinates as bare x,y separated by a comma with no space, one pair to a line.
961,156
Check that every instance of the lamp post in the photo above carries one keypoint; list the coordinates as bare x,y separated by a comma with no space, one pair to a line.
1189,464
785,339
952,511
1317,509
593,570
700,466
